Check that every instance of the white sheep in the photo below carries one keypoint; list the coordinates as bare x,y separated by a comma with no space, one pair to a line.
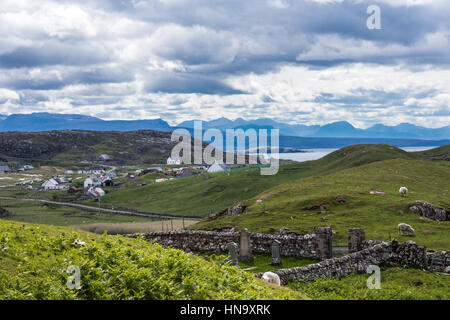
79,243
271,278
403,191
403,227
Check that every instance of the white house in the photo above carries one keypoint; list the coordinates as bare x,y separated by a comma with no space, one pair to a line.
92,171
218,167
92,182
69,172
160,180
96,192
52,184
173,161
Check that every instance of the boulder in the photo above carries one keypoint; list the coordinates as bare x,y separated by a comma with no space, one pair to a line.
427,210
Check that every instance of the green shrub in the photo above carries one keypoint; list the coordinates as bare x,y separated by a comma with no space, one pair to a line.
34,260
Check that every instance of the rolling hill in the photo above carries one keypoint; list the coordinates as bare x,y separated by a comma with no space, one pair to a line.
143,146
202,194
342,199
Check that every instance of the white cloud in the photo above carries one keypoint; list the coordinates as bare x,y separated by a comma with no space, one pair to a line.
101,57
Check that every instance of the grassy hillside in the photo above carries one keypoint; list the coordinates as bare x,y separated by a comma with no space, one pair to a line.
212,192
342,200
34,260
440,153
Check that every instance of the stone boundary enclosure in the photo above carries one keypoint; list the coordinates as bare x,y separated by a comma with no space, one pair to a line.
389,253
362,253
307,246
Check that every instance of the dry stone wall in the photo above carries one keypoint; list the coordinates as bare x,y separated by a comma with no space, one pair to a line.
390,253
189,240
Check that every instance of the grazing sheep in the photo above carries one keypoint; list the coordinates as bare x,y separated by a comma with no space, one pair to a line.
271,277
79,243
403,191
403,227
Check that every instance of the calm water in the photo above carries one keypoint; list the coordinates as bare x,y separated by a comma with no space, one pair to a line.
314,154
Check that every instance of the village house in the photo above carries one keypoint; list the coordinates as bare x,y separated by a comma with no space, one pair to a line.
95,192
91,171
174,161
91,182
103,181
218,167
53,184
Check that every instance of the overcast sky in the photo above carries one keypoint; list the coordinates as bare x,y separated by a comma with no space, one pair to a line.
309,62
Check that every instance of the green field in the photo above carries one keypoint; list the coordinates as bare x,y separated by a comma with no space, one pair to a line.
342,200
207,193
37,212
34,260
396,284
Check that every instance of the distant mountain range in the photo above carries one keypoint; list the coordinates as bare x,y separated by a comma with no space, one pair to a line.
342,129
48,121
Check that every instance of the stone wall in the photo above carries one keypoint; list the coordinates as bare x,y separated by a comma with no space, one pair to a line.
427,210
390,253
217,241
438,261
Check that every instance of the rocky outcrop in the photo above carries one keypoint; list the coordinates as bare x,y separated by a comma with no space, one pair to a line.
427,210
231,211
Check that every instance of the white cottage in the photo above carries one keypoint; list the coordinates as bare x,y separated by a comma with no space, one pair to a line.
96,192
218,167
52,184
175,161
92,182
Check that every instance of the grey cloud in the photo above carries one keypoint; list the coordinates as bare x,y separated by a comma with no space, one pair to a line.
188,83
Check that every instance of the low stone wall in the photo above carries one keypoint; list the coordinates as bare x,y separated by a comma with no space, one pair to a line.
427,210
438,261
187,240
391,253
